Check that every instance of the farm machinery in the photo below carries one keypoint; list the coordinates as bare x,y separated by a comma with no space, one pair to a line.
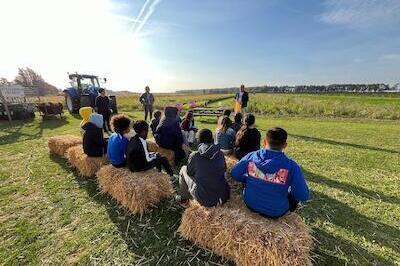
83,92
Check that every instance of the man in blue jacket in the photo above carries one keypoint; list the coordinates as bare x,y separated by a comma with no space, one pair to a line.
274,184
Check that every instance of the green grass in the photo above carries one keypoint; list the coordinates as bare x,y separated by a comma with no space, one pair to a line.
50,215
324,105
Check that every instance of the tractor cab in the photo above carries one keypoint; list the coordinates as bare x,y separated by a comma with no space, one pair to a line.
83,92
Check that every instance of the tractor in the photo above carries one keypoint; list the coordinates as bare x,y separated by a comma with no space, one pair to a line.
83,92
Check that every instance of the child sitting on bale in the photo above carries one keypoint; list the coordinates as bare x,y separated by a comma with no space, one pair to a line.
204,176
274,184
155,121
85,113
188,129
138,157
247,138
238,122
118,143
225,136
94,144
168,134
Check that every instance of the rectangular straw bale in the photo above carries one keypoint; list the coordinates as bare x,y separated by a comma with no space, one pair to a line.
87,166
137,191
59,144
152,146
234,232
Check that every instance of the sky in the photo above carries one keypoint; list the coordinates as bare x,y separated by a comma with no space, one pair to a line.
190,44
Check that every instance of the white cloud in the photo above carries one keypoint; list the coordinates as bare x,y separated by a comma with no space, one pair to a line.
361,13
390,57
56,37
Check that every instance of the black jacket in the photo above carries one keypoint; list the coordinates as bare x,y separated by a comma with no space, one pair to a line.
93,141
249,142
207,168
103,105
245,98
147,100
136,156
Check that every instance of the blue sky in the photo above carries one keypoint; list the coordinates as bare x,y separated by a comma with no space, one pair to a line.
181,44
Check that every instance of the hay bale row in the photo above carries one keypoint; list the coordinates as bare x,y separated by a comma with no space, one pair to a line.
87,166
136,191
152,146
59,144
234,232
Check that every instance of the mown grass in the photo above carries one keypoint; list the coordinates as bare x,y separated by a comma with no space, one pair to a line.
50,215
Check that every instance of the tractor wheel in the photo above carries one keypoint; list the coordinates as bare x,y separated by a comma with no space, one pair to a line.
70,104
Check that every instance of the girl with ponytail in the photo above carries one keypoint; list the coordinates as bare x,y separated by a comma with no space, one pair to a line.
247,138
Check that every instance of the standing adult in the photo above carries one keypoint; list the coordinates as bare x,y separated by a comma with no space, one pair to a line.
147,99
242,98
102,105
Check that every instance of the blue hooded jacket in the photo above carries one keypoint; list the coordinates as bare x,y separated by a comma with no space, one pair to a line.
116,149
268,176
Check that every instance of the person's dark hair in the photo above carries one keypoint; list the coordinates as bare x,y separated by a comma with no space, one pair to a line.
224,125
101,90
238,118
189,115
206,136
157,114
276,137
140,126
227,112
119,123
249,120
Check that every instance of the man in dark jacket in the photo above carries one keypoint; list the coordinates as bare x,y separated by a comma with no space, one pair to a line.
147,99
274,184
204,176
94,145
242,97
102,105
168,134
138,157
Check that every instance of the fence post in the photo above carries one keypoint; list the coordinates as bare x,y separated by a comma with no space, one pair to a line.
3,100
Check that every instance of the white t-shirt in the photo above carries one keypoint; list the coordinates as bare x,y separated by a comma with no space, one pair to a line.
240,96
150,156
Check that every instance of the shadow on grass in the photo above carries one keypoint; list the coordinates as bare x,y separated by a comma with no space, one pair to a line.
333,142
152,236
350,188
324,209
15,130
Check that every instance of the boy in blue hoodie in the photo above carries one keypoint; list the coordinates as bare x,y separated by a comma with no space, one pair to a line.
274,184
118,143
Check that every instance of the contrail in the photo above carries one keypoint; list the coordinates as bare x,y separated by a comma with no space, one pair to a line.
137,19
144,14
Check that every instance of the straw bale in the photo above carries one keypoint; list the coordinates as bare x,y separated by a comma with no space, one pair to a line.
87,166
59,144
137,191
234,232
152,146
230,163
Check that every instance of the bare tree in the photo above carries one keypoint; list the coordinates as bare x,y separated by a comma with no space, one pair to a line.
28,77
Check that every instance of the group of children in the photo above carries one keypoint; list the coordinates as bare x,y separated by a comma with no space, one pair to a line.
273,183
237,138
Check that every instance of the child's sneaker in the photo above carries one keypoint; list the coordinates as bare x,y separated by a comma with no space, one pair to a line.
184,203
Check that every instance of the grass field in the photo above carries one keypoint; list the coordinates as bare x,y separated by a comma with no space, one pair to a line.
50,215
324,105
